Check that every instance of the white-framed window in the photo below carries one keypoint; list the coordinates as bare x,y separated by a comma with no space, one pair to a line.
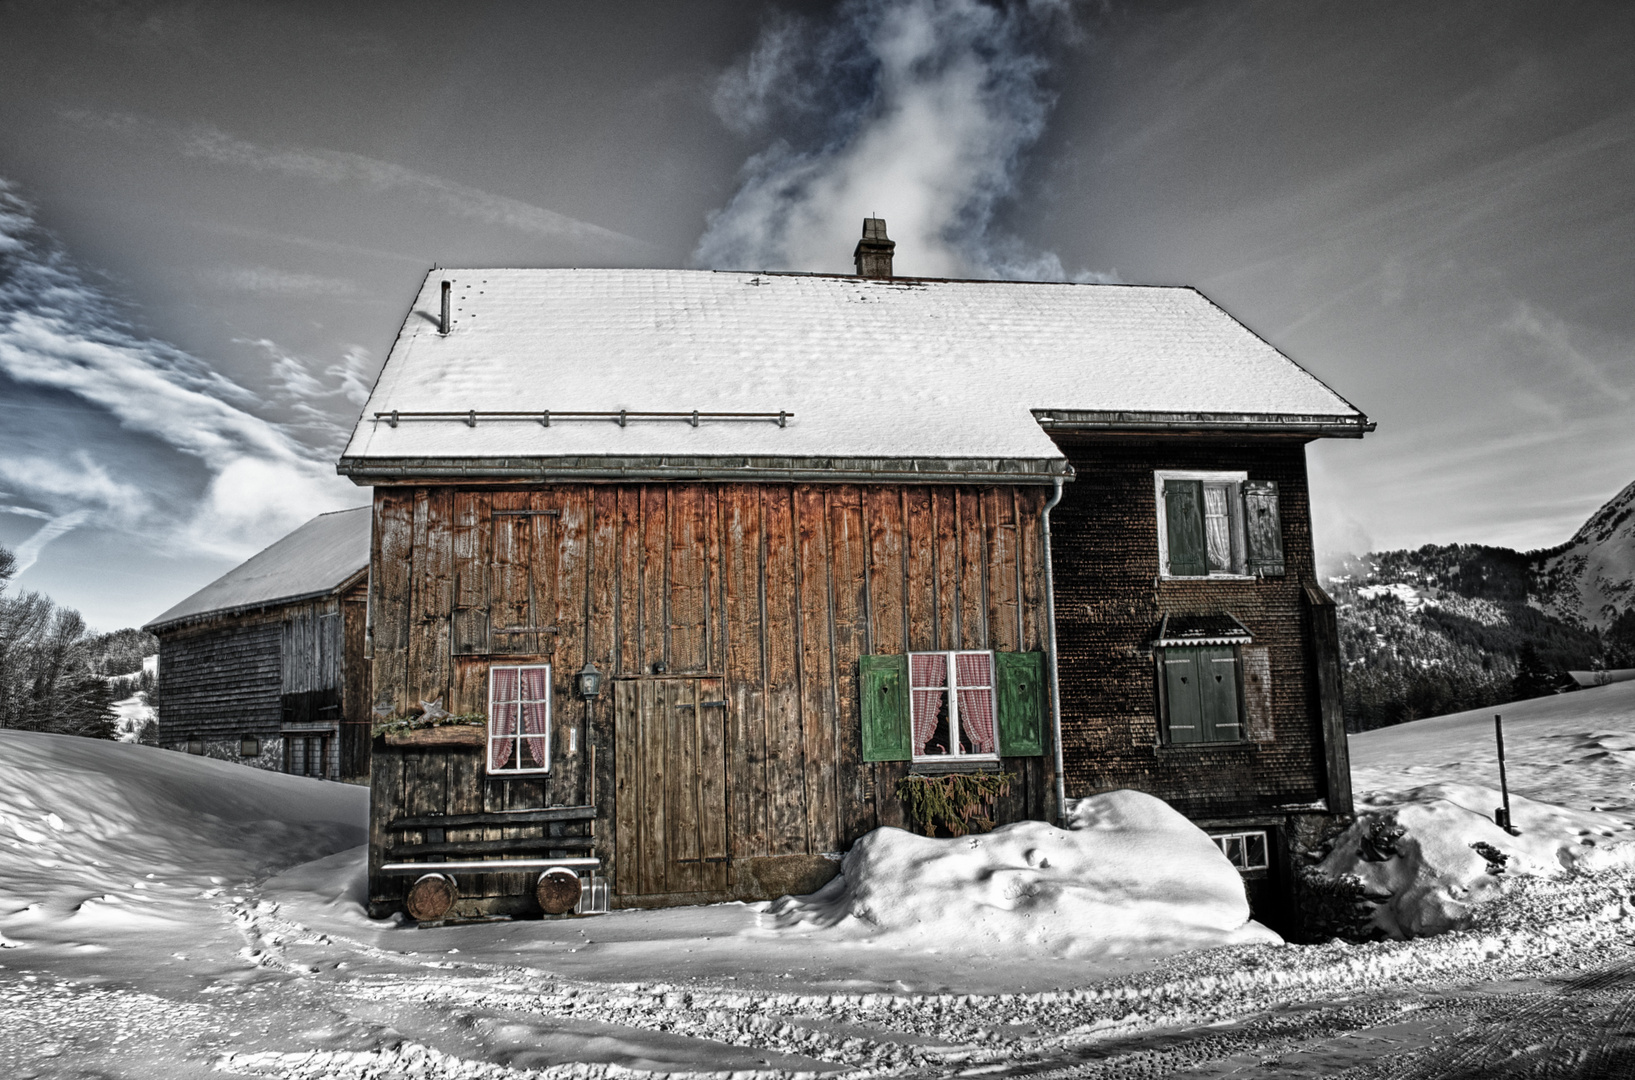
519,719
1244,850
1200,523
951,702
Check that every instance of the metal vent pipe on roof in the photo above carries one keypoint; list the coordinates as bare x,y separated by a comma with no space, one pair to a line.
446,321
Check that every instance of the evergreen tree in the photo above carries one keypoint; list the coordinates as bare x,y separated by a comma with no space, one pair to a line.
1533,678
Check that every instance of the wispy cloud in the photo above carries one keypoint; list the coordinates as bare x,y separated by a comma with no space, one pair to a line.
28,552
921,111
338,167
313,396
264,280
62,334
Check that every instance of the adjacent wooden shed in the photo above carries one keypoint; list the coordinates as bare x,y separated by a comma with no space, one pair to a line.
266,665
715,562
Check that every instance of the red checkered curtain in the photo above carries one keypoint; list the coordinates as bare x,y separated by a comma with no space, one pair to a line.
536,712
927,677
975,678
502,712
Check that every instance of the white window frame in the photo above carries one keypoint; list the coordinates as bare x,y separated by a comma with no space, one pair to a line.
1242,837
517,736
1240,553
951,688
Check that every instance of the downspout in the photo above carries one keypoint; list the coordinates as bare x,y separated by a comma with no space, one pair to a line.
1055,680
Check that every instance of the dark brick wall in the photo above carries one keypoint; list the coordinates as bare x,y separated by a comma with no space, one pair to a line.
220,680
1109,600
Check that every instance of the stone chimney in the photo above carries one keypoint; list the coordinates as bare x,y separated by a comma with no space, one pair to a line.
873,254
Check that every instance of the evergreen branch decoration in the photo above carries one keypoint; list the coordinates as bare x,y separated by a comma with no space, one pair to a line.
958,803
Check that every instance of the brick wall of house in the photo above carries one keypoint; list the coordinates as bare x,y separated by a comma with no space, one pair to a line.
1110,599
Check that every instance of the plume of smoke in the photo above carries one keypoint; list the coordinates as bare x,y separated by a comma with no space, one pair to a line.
919,110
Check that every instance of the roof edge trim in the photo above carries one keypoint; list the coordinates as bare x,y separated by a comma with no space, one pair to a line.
381,471
1341,425
352,579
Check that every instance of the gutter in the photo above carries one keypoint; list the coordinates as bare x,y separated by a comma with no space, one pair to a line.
1055,679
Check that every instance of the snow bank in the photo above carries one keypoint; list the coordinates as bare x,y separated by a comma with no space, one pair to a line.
1130,877
108,835
1435,852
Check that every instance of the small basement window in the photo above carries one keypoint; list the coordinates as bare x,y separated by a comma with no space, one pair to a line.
249,746
1244,850
519,719
1217,524
953,716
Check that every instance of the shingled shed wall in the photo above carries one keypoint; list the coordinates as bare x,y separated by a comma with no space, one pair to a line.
769,593
221,680
1110,600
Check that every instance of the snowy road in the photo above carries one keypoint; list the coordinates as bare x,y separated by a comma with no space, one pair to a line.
267,991
142,936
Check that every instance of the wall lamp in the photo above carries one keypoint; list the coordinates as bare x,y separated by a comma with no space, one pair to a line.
589,681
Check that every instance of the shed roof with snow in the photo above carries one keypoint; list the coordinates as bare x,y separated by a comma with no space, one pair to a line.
323,556
903,379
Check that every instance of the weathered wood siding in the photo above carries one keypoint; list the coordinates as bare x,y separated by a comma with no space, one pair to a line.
263,673
220,679
775,590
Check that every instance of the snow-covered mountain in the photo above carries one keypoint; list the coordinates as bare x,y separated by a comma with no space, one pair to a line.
1591,578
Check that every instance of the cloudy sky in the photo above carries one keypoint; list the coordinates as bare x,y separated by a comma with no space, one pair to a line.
213,218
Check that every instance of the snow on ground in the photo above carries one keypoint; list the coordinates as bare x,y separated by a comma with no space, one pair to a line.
132,715
246,952
1130,877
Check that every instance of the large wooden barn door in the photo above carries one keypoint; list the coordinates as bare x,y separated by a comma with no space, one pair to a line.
670,786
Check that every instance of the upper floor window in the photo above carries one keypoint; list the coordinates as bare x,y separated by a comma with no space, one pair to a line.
519,719
1217,524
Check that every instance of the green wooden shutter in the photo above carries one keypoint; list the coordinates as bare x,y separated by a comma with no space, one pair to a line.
1184,527
1218,678
1263,526
1021,690
887,732
1184,721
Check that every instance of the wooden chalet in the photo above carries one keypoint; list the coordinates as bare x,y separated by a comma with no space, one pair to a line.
718,559
265,665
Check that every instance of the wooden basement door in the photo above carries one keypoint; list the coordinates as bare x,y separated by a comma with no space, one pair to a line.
670,786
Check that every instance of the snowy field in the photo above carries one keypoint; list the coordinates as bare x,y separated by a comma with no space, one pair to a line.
171,916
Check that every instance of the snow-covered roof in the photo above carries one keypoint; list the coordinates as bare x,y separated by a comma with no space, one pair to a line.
318,558
896,377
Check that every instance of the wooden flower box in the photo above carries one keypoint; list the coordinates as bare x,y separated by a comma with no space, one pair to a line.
448,735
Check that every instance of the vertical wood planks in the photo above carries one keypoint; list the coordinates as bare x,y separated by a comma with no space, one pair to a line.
848,554
945,555
817,670
431,596
472,556
712,785
394,539
678,725
747,749
510,591
653,643
626,787
652,812
688,582
919,539
1004,617
784,784
973,608
570,617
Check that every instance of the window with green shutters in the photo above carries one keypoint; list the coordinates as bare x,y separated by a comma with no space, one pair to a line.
951,706
1201,697
1218,524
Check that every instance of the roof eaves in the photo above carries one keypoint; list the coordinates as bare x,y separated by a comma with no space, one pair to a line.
259,605
1315,425
610,469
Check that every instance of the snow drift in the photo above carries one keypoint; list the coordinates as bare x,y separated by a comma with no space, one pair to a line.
1431,855
119,835
1130,877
